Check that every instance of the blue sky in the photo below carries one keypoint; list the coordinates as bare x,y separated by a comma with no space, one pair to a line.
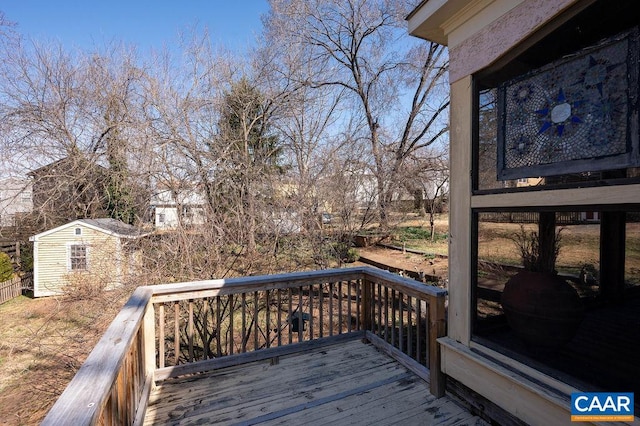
145,23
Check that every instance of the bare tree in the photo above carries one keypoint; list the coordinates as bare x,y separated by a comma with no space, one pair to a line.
65,116
427,177
356,45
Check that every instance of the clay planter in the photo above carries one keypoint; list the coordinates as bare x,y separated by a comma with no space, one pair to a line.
543,309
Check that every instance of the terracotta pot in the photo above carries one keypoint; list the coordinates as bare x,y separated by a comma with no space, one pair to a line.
543,309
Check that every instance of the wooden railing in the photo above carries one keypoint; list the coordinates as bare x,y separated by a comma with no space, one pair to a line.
175,329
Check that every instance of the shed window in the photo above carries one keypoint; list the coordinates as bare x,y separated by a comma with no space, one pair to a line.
78,231
78,257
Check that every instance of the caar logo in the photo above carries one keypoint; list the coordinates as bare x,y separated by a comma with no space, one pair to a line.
601,406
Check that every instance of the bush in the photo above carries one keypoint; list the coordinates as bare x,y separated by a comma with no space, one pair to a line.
6,267
419,233
351,255
345,252
26,257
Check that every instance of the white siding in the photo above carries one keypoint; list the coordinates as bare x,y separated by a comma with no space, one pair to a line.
51,260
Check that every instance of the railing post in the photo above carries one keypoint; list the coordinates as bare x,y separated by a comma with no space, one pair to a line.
365,311
149,324
436,329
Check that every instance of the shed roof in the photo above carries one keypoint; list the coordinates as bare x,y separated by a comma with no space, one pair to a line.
109,226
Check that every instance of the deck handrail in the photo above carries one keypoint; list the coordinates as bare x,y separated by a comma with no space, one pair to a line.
113,384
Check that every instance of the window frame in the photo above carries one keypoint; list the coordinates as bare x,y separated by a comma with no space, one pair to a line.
78,257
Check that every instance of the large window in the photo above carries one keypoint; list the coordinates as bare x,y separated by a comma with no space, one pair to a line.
601,293
586,317
78,257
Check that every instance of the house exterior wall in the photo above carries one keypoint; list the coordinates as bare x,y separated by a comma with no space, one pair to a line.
166,217
16,197
481,34
175,208
68,189
494,30
51,260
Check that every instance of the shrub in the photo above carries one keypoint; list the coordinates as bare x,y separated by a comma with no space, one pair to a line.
6,267
351,255
345,252
26,258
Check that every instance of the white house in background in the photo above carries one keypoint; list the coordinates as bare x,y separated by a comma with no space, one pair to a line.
85,252
16,198
173,208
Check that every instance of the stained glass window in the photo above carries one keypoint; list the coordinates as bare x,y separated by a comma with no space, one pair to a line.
578,114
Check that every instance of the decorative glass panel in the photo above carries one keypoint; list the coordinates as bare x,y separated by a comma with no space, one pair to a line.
578,114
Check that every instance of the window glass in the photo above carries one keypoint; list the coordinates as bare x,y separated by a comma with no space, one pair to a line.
78,257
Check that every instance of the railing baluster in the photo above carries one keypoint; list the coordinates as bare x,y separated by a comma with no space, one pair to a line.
190,331
161,353
401,322
256,326
340,303
321,309
300,317
331,309
244,323
218,328
359,284
230,332
394,315
349,305
205,328
409,326
176,330
290,313
379,303
419,338
267,320
279,318
311,316
386,314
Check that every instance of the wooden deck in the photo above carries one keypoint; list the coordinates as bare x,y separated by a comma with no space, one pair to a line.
346,383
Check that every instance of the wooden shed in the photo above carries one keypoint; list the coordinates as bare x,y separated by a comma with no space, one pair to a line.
84,254
546,91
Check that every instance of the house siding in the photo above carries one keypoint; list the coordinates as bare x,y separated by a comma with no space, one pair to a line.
52,272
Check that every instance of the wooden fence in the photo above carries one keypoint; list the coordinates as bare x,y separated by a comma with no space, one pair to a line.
562,218
13,288
12,249
10,289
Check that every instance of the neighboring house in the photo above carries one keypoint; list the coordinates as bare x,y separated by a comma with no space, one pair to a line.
178,208
15,200
69,189
548,89
96,252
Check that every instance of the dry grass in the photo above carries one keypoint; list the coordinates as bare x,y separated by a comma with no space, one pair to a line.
43,342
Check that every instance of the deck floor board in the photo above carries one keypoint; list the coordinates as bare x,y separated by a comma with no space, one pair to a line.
347,383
